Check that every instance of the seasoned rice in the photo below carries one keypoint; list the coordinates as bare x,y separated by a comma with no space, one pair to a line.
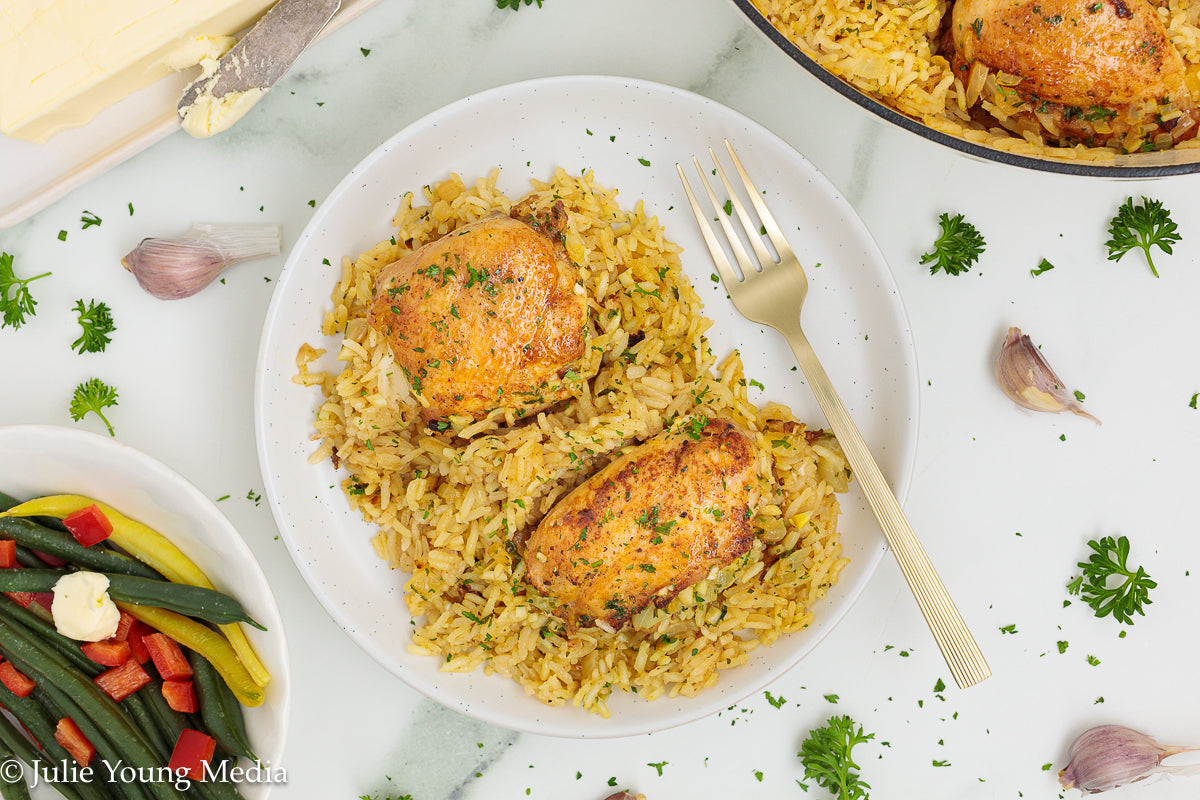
451,509
889,50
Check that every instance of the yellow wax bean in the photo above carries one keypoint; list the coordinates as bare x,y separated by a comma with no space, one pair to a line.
207,643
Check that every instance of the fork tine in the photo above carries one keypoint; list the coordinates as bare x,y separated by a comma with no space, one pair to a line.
748,266
752,234
760,207
728,276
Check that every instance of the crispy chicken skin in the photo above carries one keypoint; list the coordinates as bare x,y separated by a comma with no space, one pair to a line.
648,525
487,316
1083,65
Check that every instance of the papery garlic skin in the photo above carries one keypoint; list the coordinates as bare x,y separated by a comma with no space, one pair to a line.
1027,380
174,268
1108,756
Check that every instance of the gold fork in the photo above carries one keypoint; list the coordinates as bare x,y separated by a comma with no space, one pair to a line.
771,293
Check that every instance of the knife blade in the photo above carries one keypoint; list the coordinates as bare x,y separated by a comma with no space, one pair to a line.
242,76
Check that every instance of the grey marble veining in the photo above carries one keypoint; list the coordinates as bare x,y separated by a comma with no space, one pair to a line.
442,753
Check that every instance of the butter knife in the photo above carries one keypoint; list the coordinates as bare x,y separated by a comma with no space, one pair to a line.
243,75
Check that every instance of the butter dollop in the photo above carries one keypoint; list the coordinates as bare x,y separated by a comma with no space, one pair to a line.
210,115
82,609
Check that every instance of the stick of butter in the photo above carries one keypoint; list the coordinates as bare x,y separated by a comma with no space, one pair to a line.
64,61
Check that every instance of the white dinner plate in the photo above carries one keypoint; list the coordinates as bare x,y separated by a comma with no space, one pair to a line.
631,133
38,460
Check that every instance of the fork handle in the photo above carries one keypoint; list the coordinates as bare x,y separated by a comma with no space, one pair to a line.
958,647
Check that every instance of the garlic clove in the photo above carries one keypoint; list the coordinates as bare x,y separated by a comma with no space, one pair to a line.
171,269
1108,756
1028,380
174,268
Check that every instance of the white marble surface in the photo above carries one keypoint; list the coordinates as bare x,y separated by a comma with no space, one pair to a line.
1004,500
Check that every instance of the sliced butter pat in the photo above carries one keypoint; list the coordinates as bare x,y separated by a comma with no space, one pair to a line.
64,61
82,609
209,115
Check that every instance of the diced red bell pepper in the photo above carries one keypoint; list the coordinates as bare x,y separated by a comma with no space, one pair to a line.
17,682
181,696
74,742
193,750
50,560
23,599
125,624
88,525
131,630
8,553
26,599
120,682
168,658
108,652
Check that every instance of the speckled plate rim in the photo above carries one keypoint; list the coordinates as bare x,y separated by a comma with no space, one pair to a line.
1064,167
631,132
37,460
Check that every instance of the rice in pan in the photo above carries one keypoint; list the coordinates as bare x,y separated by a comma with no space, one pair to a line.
452,508
903,55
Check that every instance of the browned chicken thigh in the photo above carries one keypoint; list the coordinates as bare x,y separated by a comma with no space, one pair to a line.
487,316
648,525
1097,72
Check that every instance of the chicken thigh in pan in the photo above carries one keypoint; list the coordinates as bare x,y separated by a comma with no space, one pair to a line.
1093,72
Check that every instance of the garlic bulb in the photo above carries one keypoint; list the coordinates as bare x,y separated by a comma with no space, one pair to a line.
1028,380
171,269
1109,756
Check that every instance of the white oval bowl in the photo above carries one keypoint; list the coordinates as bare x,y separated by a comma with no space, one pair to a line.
38,460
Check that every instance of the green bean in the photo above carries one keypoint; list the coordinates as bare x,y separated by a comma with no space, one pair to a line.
19,647
40,727
46,540
170,723
30,714
68,648
15,742
12,787
220,709
135,704
28,558
108,786
7,501
20,747
193,601
25,556
58,703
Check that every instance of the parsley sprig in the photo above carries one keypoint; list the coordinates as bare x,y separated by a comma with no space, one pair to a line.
93,396
1145,226
1109,585
16,302
97,323
515,5
958,246
826,755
